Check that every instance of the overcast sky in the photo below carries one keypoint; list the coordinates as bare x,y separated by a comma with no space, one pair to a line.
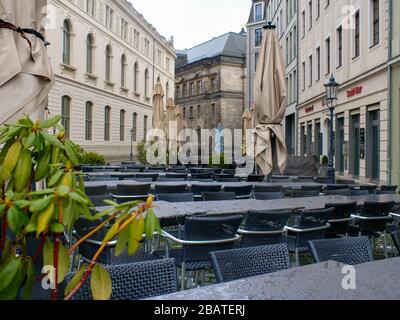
192,22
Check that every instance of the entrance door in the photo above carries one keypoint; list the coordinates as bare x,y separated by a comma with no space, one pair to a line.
374,144
340,145
355,146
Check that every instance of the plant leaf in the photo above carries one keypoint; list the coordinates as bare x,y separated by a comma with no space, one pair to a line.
77,198
13,219
70,152
44,219
122,241
30,279
50,122
150,224
75,280
41,204
63,259
52,140
8,273
100,283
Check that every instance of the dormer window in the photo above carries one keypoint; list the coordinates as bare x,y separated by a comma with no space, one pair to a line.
259,11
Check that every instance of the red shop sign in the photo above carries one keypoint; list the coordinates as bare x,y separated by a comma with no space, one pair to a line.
354,91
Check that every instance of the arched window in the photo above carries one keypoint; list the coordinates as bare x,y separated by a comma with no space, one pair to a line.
107,123
89,54
88,120
145,128
158,79
108,63
122,125
135,77
67,32
146,83
134,127
123,70
167,90
66,114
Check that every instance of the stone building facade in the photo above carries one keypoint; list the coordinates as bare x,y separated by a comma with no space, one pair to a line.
349,39
283,14
210,83
107,59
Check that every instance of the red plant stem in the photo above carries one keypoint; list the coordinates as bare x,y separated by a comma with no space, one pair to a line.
54,292
4,227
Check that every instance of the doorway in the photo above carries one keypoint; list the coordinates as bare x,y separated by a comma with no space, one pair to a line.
355,146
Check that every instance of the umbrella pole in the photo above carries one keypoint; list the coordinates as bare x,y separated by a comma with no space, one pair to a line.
274,155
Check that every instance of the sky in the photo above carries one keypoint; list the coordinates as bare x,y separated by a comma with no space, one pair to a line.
192,22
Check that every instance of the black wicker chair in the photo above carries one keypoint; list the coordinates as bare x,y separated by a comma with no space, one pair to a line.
202,235
165,179
177,175
241,192
323,180
371,188
336,187
165,188
153,177
136,281
255,178
241,263
201,176
96,190
264,227
341,218
312,188
396,240
142,180
267,188
175,197
198,189
268,195
372,221
349,250
310,225
219,196
338,192
304,194
388,188
346,182
103,178
134,190
98,201
304,179
219,176
228,179
359,193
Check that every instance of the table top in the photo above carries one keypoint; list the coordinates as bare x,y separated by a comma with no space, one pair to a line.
165,210
374,281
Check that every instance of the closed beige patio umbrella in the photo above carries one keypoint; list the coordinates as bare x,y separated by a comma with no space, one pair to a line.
158,107
270,104
26,75
170,116
249,123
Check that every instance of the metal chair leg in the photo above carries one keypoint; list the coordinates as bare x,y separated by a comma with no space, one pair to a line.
385,245
183,277
297,258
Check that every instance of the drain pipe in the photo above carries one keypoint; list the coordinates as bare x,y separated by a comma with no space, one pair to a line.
390,91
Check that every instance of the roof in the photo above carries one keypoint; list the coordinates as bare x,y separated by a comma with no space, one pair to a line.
230,44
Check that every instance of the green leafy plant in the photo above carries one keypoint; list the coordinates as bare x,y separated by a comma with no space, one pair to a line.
324,161
91,158
32,157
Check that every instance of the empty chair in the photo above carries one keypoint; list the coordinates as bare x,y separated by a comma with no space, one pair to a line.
304,179
136,281
304,193
218,196
264,227
202,235
155,169
202,176
198,189
323,180
349,250
336,186
134,191
312,188
129,170
310,225
279,179
371,188
345,182
255,178
229,171
396,240
123,177
164,179
96,190
165,189
373,218
339,192
268,195
154,176
359,193
143,179
387,190
98,201
177,175
228,179
241,263
221,176
267,188
340,218
175,197
103,178
104,170
241,192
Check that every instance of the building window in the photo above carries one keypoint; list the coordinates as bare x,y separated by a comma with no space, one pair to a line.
357,35
318,9
167,90
199,87
199,111
124,29
213,84
90,7
123,70
192,92
375,22
88,120
303,26
134,127
258,12
339,33
318,64
256,55
89,54
310,14
304,76
328,55
310,65
135,77
191,115
67,32
108,63
184,90
146,82
167,64
145,127
66,114
109,18
258,37
122,125
107,123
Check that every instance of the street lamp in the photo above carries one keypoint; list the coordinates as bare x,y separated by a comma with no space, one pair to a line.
131,155
331,89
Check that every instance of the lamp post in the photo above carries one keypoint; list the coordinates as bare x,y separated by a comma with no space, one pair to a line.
131,155
331,89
